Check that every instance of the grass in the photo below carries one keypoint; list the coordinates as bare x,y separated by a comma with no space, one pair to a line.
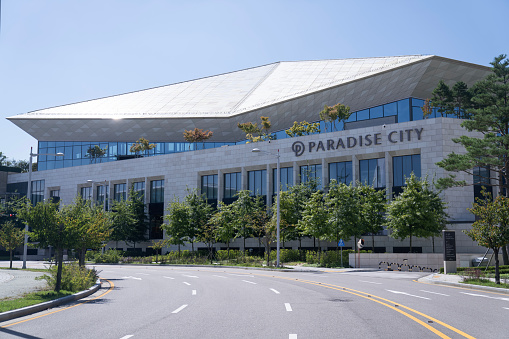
31,299
26,269
484,282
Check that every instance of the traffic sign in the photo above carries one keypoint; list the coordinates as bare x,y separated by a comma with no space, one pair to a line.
341,243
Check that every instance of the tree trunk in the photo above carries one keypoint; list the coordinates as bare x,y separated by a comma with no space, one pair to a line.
60,259
497,271
314,245
372,243
319,251
10,256
433,242
410,244
505,257
192,246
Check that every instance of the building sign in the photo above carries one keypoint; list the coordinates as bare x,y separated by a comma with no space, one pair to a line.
299,148
449,246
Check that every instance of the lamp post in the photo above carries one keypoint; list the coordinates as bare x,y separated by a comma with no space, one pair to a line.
278,181
29,195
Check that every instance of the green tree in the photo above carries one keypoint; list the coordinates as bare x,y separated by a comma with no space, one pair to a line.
314,218
2,159
197,135
373,206
177,226
243,209
491,229
95,153
199,214
417,212
11,237
223,224
331,114
141,145
255,133
303,128
157,246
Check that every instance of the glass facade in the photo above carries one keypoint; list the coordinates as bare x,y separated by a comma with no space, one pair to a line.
209,186
257,182
372,172
157,191
86,193
482,181
311,172
120,192
102,194
341,172
232,184
402,167
139,188
285,176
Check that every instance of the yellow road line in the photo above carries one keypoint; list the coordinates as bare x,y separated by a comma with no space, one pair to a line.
66,308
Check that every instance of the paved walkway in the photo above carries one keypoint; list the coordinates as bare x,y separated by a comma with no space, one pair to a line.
15,283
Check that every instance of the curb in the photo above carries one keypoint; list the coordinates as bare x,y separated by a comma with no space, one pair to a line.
21,312
466,286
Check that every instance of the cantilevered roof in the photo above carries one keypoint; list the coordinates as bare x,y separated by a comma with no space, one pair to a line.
227,94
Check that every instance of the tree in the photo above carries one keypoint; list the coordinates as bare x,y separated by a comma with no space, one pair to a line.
243,209
489,116
303,128
141,145
373,206
95,153
177,228
49,228
255,133
2,159
314,218
491,229
157,246
199,214
417,212
197,135
11,237
223,223
331,114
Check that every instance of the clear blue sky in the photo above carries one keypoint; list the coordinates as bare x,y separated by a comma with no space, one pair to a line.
55,52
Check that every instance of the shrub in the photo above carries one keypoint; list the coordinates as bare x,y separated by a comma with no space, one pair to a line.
110,257
74,277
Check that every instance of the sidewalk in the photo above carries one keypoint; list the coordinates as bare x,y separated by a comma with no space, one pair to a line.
455,280
14,283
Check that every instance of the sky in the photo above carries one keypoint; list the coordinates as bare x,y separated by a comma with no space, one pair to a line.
56,52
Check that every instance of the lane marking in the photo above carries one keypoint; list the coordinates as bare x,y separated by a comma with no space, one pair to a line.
179,309
457,287
194,292
410,295
484,296
168,277
143,273
189,276
188,284
273,290
507,308
445,295
219,276
288,307
135,278
127,336
249,282
370,282
241,275
112,286
292,336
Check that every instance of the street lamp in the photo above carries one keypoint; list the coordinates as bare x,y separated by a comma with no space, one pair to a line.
278,181
29,195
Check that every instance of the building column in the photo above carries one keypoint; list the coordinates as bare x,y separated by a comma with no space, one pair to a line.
295,168
243,178
220,186
355,170
325,174
388,172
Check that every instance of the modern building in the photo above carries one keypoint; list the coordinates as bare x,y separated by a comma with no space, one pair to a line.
385,139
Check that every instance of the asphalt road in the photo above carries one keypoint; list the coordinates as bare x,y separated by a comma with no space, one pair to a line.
186,302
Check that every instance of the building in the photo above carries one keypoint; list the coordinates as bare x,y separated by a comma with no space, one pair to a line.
385,139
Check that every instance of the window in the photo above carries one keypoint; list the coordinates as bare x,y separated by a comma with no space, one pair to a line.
285,176
157,191
232,184
102,195
37,191
311,172
402,167
86,193
139,188
372,172
257,181
209,186
119,192
341,172
482,181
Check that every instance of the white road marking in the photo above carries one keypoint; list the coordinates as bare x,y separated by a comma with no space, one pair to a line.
127,336
168,277
410,295
219,276
370,282
288,307
445,295
485,296
143,273
273,290
292,336
241,275
188,284
179,309
507,308
249,282
135,278
194,292
189,276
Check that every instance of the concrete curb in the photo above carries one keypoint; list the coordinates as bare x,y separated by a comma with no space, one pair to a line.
429,280
21,312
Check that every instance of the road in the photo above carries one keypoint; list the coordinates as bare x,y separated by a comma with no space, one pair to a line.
190,302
